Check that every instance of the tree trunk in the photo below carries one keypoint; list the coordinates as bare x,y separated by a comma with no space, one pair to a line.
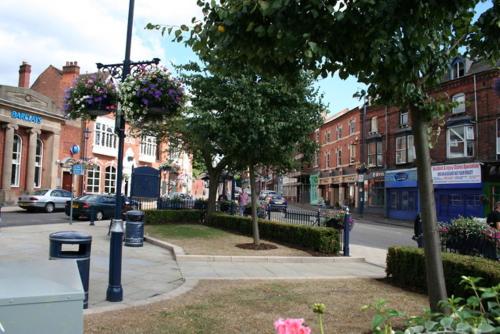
255,221
213,184
436,286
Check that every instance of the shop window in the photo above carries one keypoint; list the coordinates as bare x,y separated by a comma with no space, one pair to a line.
110,180
456,200
339,131
459,101
16,161
93,180
376,193
394,200
460,141
405,149
38,163
375,157
403,118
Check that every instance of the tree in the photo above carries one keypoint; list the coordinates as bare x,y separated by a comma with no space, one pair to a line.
400,49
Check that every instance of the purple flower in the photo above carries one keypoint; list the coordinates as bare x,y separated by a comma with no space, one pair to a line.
145,101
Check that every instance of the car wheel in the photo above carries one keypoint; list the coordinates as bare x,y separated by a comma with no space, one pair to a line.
99,215
49,207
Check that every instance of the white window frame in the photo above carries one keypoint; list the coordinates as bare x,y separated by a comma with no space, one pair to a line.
375,158
404,118
405,149
110,180
455,69
38,162
317,136
105,139
16,160
328,136
352,153
93,187
327,159
148,149
352,126
460,108
316,159
467,139
339,131
374,125
338,154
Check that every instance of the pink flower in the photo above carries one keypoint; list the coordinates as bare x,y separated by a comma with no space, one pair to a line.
291,326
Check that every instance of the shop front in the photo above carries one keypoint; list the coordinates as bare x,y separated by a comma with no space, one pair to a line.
401,194
458,191
491,185
375,191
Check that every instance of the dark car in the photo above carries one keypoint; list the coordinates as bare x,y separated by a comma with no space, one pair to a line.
103,206
276,202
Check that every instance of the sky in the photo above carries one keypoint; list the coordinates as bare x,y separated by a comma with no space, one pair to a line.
53,32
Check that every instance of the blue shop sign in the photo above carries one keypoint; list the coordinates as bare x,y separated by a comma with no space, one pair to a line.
401,178
26,117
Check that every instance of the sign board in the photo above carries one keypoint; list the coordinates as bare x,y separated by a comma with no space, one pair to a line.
24,116
324,180
313,180
457,173
349,178
77,169
75,149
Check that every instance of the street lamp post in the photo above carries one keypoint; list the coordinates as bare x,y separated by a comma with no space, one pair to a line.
119,71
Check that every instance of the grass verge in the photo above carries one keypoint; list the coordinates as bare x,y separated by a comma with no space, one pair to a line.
252,307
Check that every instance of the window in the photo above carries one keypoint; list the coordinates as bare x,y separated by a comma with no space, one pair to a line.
316,159
376,193
148,146
38,163
317,136
375,154
339,157
405,150
93,179
327,159
498,138
352,153
105,136
403,119
352,126
339,131
459,99
110,180
16,161
460,141
328,136
374,125
457,69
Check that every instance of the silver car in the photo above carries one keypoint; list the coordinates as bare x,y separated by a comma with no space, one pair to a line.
44,199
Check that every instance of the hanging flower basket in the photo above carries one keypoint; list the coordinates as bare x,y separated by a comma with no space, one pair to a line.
151,95
91,96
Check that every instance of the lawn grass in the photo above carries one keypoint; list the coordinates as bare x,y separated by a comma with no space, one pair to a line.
198,239
252,307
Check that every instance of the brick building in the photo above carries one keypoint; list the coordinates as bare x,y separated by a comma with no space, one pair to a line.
37,140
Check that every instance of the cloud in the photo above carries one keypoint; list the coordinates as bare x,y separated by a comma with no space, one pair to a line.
88,31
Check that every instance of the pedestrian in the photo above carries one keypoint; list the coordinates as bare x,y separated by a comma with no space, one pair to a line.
494,217
418,231
243,201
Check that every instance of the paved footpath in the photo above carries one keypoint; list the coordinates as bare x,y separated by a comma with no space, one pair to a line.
152,273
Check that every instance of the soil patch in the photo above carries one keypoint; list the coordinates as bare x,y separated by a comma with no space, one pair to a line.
261,246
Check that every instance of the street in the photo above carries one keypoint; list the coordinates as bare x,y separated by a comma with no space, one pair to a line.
365,232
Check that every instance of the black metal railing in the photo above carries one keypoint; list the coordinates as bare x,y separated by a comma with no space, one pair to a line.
485,245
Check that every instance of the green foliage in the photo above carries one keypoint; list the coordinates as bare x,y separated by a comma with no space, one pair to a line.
480,313
318,239
153,217
406,268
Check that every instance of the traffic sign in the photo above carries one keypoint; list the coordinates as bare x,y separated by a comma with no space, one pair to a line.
77,169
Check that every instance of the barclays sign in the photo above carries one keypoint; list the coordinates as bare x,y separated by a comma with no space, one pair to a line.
26,117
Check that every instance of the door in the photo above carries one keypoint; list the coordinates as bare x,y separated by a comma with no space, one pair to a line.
67,180
58,198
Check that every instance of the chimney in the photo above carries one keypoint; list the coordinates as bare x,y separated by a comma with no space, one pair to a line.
24,75
71,68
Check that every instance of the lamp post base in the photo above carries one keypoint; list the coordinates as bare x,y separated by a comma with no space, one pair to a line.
114,294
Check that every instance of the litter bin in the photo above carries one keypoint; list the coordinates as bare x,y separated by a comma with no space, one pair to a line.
71,240
134,228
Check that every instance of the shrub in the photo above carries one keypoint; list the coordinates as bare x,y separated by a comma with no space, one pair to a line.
406,268
172,216
319,239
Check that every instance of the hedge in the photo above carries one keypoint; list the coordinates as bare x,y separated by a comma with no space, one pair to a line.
172,216
319,239
406,268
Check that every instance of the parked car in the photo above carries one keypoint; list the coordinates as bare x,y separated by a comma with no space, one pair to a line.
44,199
103,206
173,195
276,202
264,193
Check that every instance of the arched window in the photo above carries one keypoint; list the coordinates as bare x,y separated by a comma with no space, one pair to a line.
38,163
110,180
16,161
93,180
